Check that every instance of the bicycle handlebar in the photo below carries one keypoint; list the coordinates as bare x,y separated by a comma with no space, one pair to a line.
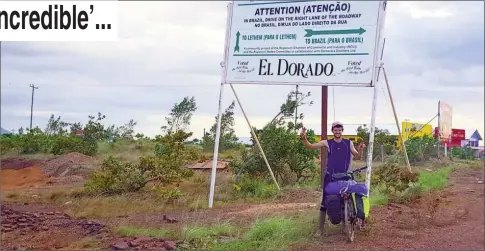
358,170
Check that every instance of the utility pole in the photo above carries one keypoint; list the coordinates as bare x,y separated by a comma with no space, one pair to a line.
32,104
296,105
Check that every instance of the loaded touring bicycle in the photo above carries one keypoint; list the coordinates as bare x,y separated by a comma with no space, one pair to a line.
347,201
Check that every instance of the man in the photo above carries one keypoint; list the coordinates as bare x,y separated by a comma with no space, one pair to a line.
339,158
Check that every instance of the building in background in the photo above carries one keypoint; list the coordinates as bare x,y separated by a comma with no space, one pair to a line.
412,130
474,144
475,139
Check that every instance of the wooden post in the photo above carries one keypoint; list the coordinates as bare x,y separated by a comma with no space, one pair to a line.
323,154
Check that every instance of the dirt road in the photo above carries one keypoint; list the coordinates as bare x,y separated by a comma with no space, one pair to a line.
451,219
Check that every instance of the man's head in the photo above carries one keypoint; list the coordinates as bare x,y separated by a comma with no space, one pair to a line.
337,129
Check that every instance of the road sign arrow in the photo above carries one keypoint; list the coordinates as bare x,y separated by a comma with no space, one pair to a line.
310,32
236,48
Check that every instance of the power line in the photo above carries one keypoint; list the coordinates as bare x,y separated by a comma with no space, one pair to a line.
32,104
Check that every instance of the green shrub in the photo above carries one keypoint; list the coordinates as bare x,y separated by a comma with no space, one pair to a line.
250,187
35,141
394,175
62,145
115,177
8,144
169,195
462,153
290,161
421,148
168,166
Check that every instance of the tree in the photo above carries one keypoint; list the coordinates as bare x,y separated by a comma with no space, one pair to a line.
126,131
112,132
288,109
55,126
228,138
75,126
180,115
381,137
94,130
139,136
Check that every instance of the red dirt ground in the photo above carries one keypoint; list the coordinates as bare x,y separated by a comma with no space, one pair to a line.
447,220
451,219
22,178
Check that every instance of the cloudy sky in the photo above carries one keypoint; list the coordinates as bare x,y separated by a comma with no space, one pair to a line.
434,51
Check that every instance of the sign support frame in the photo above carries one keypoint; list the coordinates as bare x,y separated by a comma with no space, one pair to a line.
376,67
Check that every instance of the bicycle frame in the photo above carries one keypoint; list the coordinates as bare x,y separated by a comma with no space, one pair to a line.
349,211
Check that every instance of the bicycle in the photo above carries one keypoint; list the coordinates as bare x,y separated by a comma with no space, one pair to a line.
350,215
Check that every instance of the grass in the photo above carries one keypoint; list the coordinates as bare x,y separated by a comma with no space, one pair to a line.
195,233
127,151
378,198
431,181
114,206
275,233
255,188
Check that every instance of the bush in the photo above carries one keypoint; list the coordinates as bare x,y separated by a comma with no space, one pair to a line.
115,177
290,161
171,157
421,148
394,175
35,141
248,187
62,145
8,144
169,195
462,153
168,166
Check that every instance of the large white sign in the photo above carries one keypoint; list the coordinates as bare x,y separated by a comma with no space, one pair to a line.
304,42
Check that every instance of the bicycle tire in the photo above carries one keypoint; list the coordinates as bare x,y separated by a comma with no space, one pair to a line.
348,225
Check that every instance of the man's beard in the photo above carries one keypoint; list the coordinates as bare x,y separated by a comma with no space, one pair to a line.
337,136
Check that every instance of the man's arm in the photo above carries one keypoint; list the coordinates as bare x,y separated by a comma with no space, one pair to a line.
317,145
354,152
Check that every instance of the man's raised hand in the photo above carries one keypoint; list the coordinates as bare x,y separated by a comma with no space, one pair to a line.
303,133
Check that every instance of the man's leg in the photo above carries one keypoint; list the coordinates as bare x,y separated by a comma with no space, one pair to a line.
322,217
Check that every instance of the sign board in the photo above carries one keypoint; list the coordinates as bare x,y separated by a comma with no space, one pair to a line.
444,121
304,42
413,130
456,137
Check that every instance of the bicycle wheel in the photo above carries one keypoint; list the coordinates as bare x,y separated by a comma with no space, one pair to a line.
349,223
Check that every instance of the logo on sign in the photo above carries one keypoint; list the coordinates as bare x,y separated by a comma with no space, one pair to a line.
286,67
243,67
